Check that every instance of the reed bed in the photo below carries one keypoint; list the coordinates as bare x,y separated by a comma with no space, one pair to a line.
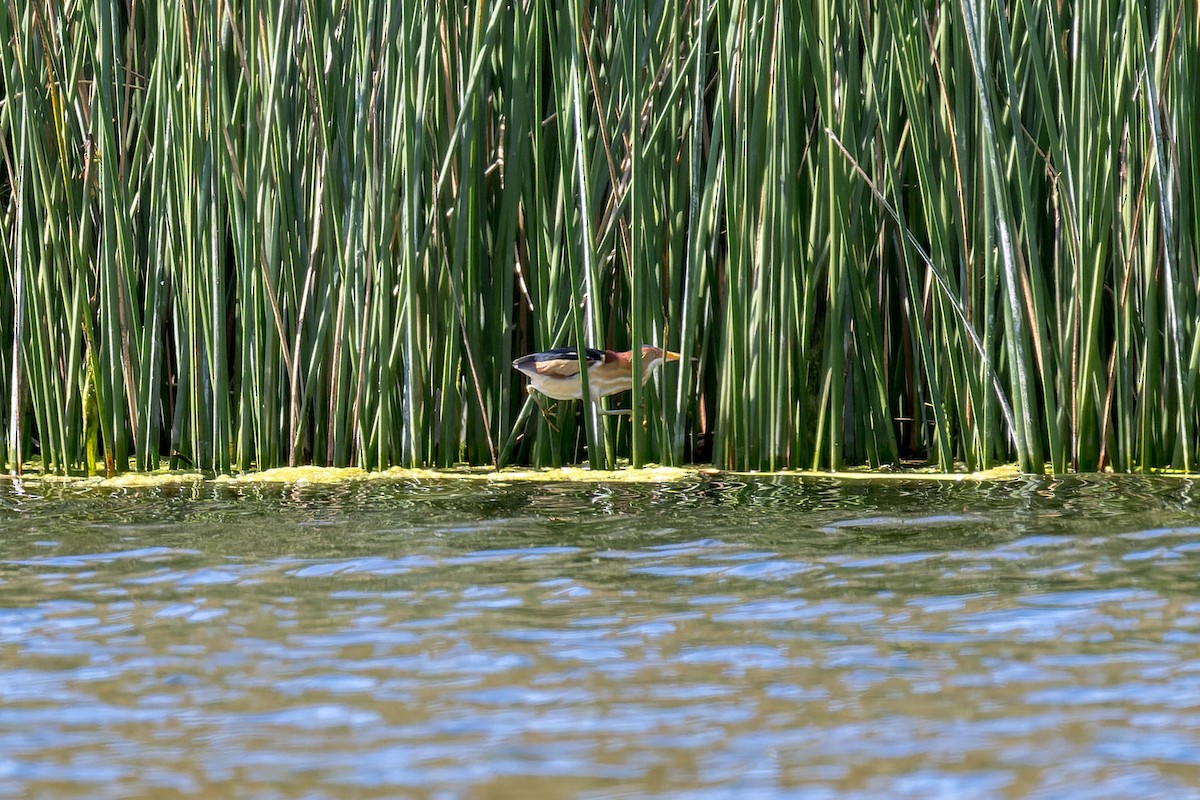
241,234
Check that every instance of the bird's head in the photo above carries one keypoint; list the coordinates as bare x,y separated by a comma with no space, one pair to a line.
652,357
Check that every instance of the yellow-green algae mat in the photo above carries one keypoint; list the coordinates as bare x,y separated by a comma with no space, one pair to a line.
334,475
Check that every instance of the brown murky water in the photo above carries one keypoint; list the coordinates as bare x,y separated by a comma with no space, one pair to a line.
712,639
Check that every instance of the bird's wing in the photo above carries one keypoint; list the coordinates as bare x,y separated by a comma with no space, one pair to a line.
562,362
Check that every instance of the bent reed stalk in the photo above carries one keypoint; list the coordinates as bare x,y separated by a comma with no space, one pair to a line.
241,234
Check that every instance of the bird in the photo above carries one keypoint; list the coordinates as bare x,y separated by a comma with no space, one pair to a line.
555,373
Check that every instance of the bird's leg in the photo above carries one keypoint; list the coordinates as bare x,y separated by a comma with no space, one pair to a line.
536,395
598,401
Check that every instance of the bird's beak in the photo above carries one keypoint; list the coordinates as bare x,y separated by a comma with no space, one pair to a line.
669,356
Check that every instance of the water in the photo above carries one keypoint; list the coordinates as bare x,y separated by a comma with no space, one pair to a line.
718,639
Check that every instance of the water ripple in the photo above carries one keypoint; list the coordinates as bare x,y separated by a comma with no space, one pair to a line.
738,637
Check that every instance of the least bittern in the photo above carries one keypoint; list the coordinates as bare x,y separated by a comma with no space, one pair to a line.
555,373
